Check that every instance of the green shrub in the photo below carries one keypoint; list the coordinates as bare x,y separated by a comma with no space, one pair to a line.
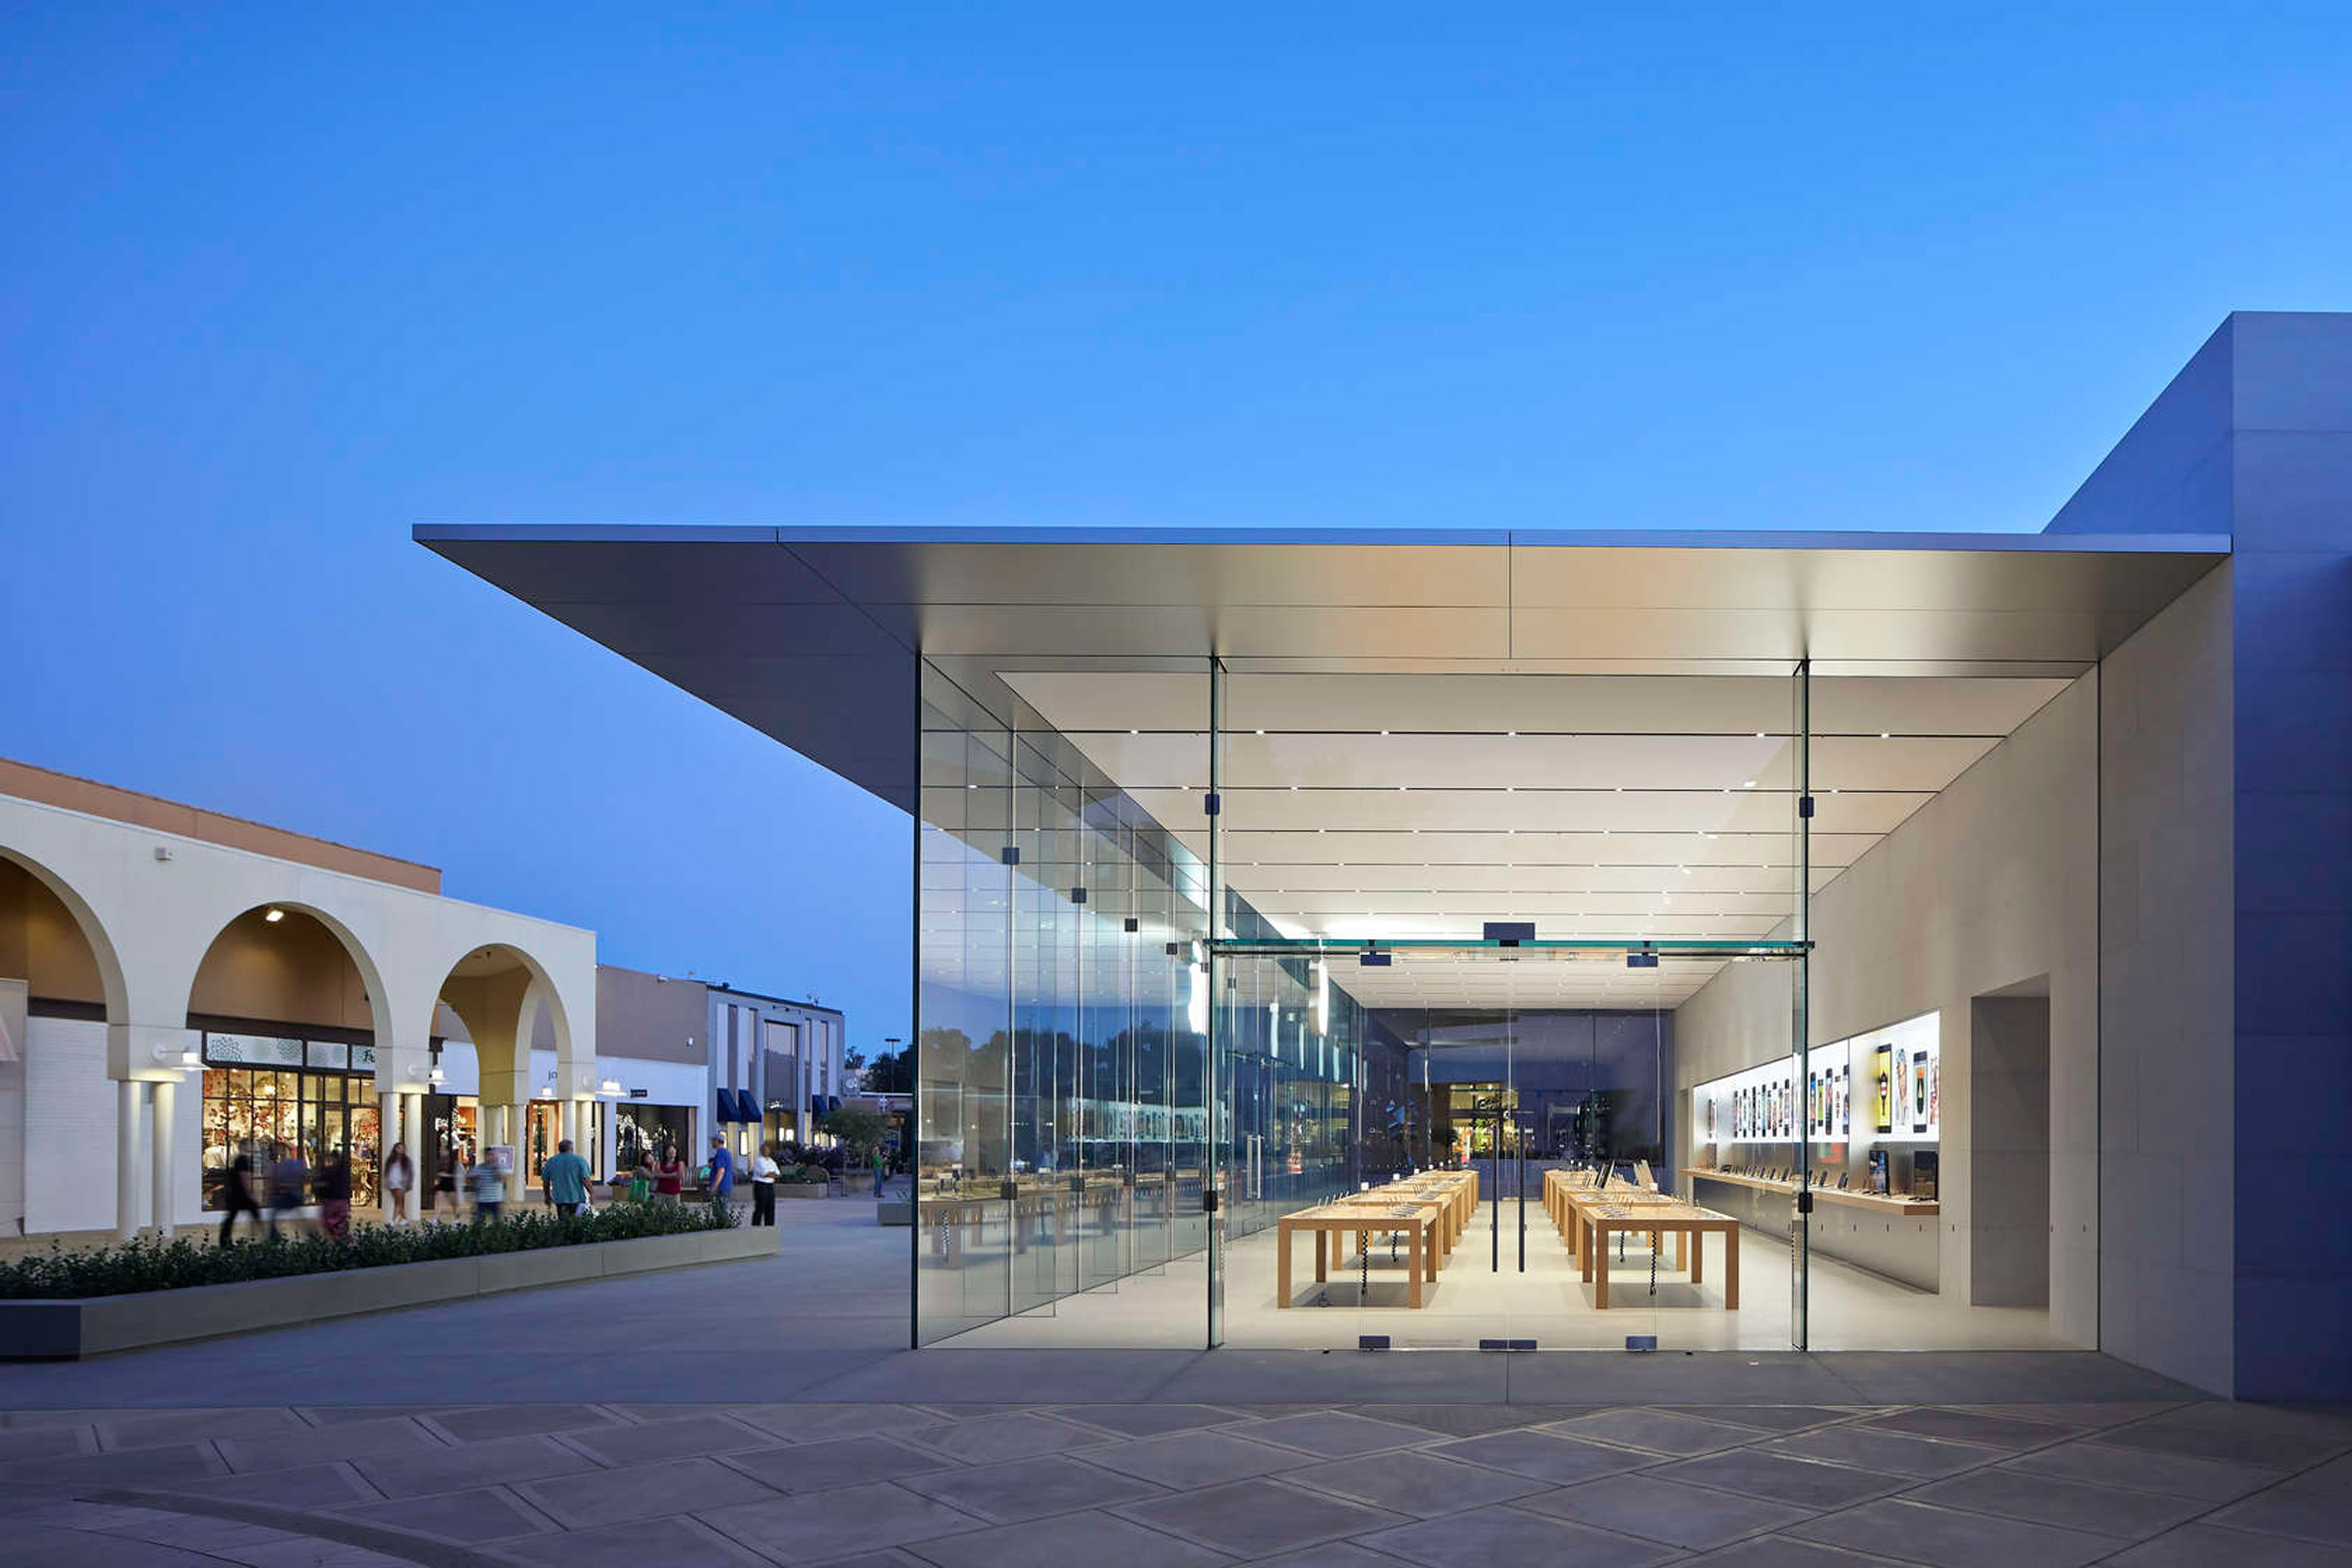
151,1263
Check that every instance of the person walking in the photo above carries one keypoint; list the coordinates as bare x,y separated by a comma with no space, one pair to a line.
567,1177
334,1195
722,1181
290,1182
489,1190
763,1186
400,1178
669,1175
238,1195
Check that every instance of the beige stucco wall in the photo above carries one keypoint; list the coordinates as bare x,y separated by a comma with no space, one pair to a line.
152,907
27,782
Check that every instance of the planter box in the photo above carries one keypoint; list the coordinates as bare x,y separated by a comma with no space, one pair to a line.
802,1189
70,1330
895,1211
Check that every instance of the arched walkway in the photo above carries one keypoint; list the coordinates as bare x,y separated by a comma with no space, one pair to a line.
284,1008
45,890
56,946
498,992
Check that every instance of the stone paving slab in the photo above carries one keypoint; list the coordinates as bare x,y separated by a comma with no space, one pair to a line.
1670,1512
983,1484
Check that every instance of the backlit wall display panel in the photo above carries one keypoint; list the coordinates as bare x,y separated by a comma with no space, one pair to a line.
1882,1086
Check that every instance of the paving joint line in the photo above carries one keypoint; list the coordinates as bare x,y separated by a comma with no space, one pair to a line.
407,1545
2232,1503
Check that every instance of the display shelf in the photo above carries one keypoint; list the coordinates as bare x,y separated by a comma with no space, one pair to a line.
1885,1203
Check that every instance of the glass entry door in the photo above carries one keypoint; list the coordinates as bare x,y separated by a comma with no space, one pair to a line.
1457,1092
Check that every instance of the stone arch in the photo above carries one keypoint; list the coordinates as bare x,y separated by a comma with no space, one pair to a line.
255,915
93,932
496,990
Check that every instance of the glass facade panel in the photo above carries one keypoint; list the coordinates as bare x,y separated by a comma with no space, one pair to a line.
1124,1103
1061,999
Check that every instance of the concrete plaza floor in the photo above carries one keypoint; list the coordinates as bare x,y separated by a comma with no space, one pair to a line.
767,1413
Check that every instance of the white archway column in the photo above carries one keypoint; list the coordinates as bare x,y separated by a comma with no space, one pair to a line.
392,1119
126,1159
165,1098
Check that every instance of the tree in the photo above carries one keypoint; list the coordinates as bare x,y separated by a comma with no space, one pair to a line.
890,1073
859,1130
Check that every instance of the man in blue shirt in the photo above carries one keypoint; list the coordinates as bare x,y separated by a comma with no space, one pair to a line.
567,1177
722,1171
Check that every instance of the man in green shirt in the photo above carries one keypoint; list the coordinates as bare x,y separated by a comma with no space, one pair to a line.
566,1176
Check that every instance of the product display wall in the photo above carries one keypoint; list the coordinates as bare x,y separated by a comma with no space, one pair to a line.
1883,1087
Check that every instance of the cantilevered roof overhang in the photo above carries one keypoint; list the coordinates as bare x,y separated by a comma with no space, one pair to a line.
810,633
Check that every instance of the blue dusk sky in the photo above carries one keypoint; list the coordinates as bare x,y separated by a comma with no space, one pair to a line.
279,282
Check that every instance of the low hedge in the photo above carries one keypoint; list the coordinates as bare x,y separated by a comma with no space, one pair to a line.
151,1264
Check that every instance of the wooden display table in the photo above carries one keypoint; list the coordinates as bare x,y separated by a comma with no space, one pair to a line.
1418,1222
1563,1190
1457,1192
1588,1216
1599,1220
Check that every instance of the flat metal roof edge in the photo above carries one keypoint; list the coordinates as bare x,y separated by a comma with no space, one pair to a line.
1540,538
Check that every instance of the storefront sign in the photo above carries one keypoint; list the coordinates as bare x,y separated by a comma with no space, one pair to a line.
266,1050
328,1053
363,1059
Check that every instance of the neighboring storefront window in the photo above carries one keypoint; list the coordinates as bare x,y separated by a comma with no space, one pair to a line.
543,1131
643,1129
264,1095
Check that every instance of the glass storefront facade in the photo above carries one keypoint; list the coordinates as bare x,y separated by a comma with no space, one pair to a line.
1147,1032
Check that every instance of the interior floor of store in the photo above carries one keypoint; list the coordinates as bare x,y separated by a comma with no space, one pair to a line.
1550,1303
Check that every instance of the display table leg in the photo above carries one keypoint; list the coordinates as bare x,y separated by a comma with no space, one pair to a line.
1731,1269
1599,1274
1283,1235
1324,1242
1413,1290
1699,1255
1428,1250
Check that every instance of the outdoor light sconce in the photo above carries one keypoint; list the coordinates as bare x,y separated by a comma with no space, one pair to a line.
610,1086
436,1075
178,1056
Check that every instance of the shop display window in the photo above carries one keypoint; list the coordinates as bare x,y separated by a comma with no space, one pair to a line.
256,1111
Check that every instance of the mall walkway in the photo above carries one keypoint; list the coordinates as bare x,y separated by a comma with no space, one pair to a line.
763,1413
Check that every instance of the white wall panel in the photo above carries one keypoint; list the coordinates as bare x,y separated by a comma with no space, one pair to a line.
70,1141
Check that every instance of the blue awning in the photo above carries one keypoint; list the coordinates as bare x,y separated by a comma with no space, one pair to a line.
816,1104
746,1109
